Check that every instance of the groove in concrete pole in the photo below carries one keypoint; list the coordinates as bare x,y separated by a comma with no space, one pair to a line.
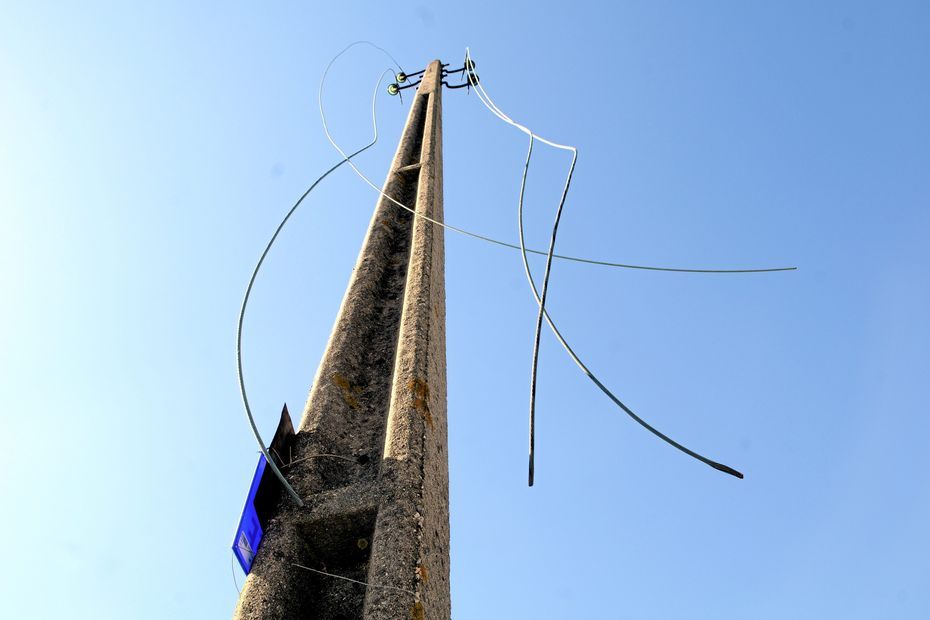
412,529
379,394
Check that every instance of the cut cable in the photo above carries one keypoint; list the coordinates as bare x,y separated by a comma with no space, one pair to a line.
486,100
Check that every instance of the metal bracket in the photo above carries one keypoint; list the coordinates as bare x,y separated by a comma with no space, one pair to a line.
467,70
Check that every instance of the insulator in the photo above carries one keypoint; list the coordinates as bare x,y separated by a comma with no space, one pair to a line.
474,77
393,89
401,77
470,64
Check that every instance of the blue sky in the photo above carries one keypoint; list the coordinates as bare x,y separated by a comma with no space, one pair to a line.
149,151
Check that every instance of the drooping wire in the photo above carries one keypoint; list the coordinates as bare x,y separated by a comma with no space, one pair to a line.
541,301
369,44
248,292
542,298
367,585
550,255
545,288
480,237
531,471
650,268
351,459
493,108
232,562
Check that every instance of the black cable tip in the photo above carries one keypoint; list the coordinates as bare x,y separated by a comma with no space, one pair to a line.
726,469
529,480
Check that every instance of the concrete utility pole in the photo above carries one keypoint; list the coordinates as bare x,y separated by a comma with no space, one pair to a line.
379,514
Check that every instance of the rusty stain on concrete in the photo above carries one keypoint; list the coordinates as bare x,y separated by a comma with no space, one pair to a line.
349,392
420,391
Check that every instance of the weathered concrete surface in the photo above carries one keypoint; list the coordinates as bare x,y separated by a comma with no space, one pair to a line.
412,530
379,395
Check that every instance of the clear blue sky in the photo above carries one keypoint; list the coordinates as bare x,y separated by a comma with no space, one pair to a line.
148,151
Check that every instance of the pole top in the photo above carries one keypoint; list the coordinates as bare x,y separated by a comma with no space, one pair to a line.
433,75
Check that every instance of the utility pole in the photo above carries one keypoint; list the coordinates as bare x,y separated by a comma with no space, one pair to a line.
370,458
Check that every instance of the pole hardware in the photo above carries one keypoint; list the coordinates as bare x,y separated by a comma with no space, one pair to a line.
404,80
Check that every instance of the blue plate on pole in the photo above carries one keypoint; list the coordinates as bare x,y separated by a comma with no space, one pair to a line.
264,496
249,533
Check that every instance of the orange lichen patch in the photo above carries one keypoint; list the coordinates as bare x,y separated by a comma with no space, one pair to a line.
420,392
422,573
349,392
417,612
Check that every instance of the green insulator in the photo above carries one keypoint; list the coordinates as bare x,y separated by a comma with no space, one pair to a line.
401,78
393,89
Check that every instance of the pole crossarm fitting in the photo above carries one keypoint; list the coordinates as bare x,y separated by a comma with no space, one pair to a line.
467,71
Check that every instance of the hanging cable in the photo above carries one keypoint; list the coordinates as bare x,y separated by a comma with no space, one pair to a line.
531,471
550,255
497,112
541,300
505,244
248,291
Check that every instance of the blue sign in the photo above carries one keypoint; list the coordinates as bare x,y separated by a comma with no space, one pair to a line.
249,533
264,495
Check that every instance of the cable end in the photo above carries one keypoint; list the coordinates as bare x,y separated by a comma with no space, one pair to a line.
530,476
726,469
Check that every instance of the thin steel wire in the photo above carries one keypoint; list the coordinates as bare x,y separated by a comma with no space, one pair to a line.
232,566
718,466
320,456
367,585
